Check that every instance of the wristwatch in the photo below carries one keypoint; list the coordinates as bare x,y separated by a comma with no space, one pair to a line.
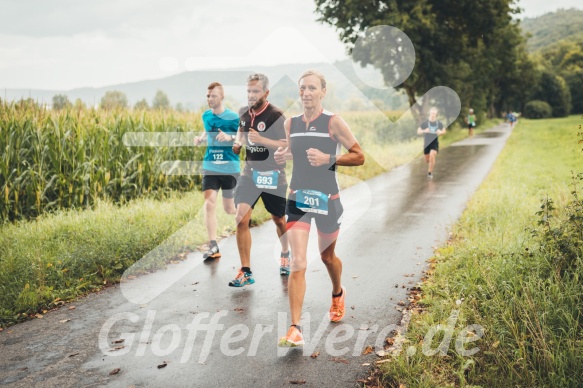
332,159
233,137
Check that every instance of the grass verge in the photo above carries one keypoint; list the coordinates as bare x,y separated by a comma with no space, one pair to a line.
513,267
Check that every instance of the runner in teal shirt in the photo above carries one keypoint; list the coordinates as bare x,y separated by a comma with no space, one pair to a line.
220,166
219,156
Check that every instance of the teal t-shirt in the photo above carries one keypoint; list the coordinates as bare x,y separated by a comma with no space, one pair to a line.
219,156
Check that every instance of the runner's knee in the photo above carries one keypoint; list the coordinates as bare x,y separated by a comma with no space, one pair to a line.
328,258
298,264
279,221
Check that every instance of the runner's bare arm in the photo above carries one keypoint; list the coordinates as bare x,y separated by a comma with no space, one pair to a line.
342,133
239,139
282,154
256,137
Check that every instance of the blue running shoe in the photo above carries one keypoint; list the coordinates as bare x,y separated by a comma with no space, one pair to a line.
242,279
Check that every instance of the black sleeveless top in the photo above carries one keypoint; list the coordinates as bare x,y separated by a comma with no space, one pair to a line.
315,134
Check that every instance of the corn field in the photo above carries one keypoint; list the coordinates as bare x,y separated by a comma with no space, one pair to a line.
68,159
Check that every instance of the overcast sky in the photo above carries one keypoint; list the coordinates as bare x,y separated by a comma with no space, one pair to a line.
64,44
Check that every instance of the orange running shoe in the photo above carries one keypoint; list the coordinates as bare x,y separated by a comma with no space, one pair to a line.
292,339
337,309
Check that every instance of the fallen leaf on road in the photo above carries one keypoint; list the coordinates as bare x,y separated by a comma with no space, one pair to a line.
64,320
115,371
39,316
353,307
162,365
381,353
367,350
390,341
238,309
194,284
401,303
116,348
342,360
315,354
73,355
1,329
119,341
297,382
71,307
354,277
365,364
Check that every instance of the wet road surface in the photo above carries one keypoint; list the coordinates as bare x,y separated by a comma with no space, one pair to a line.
210,334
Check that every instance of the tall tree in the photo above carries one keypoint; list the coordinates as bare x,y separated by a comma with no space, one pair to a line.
160,101
553,89
450,38
142,105
114,99
61,101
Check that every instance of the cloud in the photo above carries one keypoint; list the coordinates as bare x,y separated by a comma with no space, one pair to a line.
72,17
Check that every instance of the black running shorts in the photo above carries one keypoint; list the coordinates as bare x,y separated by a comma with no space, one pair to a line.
434,145
328,224
222,181
273,199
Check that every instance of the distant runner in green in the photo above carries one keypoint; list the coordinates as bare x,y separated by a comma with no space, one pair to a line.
471,122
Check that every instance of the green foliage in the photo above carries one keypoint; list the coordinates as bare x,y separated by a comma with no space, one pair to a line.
114,99
575,81
61,101
523,288
548,29
474,47
160,101
142,105
79,104
561,240
565,59
63,255
63,159
537,110
554,90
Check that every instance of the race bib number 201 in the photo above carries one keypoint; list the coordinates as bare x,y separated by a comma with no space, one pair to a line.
312,201
266,179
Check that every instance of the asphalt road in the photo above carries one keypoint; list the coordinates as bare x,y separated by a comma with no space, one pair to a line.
206,334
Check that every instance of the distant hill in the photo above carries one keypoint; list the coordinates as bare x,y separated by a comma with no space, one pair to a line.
548,29
189,88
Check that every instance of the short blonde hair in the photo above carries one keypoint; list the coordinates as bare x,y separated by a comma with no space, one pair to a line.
315,73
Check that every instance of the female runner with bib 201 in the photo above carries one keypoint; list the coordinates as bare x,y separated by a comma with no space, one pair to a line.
314,139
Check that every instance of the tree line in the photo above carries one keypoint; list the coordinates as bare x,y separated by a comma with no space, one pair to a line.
114,99
475,47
